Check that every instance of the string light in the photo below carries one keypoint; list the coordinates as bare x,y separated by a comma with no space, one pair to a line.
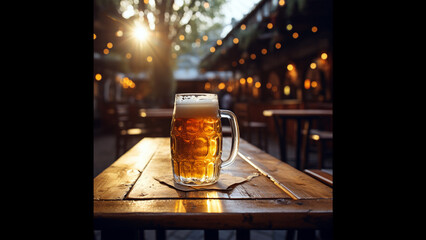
277,45
295,35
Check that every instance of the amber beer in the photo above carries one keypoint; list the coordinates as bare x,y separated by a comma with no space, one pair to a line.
196,139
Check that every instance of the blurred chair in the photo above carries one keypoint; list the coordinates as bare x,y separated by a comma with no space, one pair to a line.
318,137
247,126
126,127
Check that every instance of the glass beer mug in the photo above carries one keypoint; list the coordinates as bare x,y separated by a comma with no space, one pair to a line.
196,139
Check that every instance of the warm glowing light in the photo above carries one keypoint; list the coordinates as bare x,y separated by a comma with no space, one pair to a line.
324,56
270,25
235,40
289,27
314,84
219,42
212,49
313,65
140,32
264,51
109,45
307,83
253,56
249,80
290,67
281,3
234,63
243,27
207,86
315,137
119,33
181,37
206,5
106,51
94,36
287,90
241,61
149,59
205,38
269,85
221,86
314,29
128,55
257,85
242,80
277,45
229,89
98,77
143,114
295,35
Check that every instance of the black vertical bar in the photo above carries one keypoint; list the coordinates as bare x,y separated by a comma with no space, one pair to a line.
281,136
243,234
298,142
211,234
160,234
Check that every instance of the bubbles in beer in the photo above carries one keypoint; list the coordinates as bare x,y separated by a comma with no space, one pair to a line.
196,144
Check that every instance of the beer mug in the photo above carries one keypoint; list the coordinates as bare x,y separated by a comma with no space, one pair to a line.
196,139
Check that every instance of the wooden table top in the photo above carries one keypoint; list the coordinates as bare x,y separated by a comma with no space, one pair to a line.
297,112
281,197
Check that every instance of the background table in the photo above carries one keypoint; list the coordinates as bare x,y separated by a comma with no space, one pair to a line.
127,197
299,115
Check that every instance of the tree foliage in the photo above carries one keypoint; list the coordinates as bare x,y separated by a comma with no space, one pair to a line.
175,27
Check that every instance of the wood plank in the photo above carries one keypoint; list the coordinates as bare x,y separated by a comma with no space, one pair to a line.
296,183
215,213
147,187
116,180
321,176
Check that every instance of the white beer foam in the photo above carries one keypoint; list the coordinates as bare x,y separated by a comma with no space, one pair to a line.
193,107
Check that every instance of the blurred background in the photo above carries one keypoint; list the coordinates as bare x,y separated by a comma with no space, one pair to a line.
255,54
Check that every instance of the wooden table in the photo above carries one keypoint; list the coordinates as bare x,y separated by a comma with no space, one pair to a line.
126,197
299,115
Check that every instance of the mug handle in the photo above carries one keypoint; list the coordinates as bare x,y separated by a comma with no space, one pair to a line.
235,136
